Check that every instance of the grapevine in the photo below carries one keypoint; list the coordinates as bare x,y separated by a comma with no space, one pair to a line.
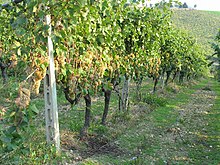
98,44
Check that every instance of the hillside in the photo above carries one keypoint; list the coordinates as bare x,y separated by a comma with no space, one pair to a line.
203,25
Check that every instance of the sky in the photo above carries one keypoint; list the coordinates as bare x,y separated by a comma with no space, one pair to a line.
212,5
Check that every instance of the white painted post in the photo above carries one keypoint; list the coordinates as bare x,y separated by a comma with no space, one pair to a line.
50,96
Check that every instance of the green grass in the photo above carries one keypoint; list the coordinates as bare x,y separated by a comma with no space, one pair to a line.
135,141
136,136
34,149
210,133
214,12
140,142
203,25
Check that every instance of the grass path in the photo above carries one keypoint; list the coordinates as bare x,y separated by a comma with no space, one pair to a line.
186,131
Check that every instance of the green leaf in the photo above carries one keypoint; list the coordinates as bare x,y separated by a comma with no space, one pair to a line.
34,9
12,114
11,130
6,139
63,71
34,108
20,31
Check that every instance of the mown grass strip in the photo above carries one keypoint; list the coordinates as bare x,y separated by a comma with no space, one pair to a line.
142,141
209,152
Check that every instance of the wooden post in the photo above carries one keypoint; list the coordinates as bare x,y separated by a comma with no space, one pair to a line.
50,96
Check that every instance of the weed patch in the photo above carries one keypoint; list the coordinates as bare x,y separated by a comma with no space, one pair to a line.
155,100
